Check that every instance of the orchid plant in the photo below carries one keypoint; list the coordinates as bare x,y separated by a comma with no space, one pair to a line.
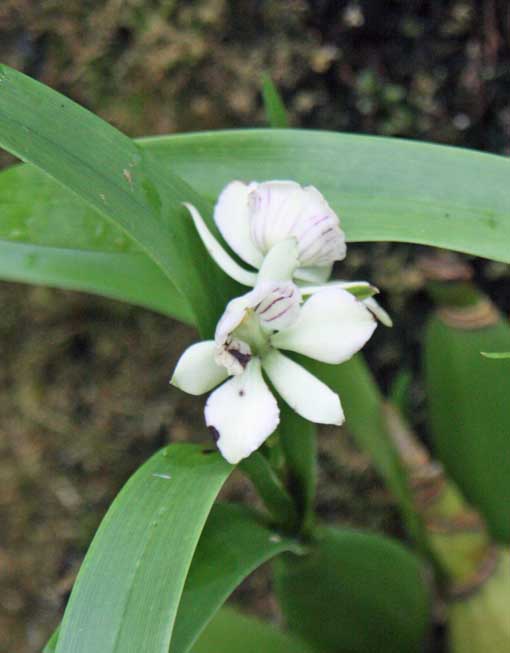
278,344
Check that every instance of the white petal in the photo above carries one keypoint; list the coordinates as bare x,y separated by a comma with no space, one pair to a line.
234,356
278,304
242,413
280,262
196,371
217,253
309,397
273,208
314,274
232,317
280,209
379,312
231,215
332,326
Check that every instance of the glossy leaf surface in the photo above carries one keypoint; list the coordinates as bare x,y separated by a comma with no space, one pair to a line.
110,173
232,632
129,587
129,277
363,402
355,592
469,413
383,188
232,545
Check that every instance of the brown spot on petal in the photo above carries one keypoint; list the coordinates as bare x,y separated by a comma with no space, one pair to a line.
241,393
241,358
214,432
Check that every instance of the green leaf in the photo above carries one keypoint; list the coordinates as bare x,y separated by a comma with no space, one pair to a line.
383,188
355,592
232,632
495,354
129,277
121,181
234,543
273,103
51,645
362,402
469,413
129,587
49,237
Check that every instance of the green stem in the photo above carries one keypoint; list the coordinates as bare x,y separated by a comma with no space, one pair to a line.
271,490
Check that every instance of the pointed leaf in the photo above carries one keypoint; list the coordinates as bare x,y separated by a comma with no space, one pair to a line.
129,277
469,412
383,189
113,175
355,592
363,402
234,543
273,104
129,587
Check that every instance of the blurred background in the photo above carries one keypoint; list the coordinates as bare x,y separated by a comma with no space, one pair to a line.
84,395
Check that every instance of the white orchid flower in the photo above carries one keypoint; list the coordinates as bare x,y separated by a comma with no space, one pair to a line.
255,218
330,326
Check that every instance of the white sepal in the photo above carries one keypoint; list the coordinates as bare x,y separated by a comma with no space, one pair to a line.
232,217
303,392
282,209
242,414
218,254
196,371
332,326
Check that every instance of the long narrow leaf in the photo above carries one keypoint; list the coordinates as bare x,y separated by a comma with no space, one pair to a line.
111,173
355,592
363,402
129,587
132,278
469,411
232,545
51,644
273,104
383,188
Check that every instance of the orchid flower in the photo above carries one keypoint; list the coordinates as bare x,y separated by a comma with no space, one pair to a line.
330,326
254,218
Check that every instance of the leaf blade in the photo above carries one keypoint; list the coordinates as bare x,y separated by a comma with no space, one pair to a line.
140,556
233,544
231,632
276,112
468,412
360,592
383,188
117,178
128,277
